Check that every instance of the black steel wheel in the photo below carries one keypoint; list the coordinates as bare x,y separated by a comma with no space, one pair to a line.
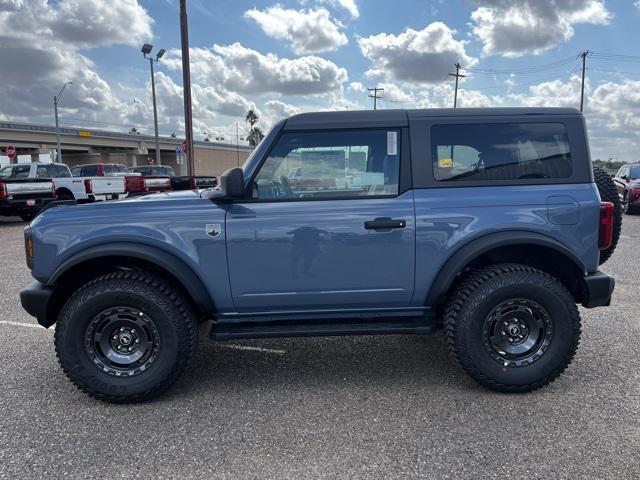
122,341
511,327
517,332
126,337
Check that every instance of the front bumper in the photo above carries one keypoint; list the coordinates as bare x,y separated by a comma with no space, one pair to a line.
39,301
598,288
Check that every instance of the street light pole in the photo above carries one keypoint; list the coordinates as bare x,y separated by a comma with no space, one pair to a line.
56,99
146,50
155,114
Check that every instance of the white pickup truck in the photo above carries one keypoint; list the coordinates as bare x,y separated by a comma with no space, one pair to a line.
68,187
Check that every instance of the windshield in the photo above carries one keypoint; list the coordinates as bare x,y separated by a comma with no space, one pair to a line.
15,171
634,173
6,172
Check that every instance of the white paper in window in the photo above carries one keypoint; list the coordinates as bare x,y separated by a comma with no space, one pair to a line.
392,143
373,178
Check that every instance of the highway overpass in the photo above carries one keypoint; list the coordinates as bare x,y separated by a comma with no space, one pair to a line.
83,145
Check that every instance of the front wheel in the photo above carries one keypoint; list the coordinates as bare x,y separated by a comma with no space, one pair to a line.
125,337
626,207
512,328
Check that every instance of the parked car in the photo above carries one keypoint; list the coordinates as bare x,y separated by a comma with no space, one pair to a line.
484,222
129,184
68,187
23,196
187,182
627,182
157,178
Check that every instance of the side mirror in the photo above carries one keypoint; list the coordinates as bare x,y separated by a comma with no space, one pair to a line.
231,186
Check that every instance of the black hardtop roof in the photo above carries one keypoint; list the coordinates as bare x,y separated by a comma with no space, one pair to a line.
399,118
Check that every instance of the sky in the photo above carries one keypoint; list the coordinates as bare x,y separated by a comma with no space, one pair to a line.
289,56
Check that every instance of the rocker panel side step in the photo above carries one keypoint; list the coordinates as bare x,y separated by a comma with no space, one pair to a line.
321,328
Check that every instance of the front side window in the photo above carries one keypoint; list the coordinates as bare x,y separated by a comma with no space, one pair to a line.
634,172
338,164
500,151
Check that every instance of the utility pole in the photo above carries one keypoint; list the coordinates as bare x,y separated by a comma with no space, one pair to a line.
186,87
375,95
584,68
56,100
238,142
458,76
146,50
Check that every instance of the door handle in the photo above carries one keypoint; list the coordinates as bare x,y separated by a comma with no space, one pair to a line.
384,223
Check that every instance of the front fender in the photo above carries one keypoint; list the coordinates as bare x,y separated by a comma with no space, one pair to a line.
189,279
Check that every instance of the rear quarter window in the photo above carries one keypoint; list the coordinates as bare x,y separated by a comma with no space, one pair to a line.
500,152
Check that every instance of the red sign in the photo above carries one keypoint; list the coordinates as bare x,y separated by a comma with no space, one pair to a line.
11,152
183,146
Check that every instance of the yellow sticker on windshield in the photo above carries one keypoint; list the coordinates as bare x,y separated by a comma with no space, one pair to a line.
445,163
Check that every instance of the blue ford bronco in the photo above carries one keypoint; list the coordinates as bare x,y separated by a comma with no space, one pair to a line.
487,223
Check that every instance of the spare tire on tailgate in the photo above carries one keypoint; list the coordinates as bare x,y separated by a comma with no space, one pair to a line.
609,193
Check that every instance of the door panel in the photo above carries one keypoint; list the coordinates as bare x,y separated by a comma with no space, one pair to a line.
318,255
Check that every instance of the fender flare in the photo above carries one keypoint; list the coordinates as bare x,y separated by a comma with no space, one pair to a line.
157,256
475,248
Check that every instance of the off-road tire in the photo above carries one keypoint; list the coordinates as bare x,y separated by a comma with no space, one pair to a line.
468,309
609,193
172,318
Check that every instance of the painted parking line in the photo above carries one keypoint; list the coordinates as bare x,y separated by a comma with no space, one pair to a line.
254,349
23,324
232,346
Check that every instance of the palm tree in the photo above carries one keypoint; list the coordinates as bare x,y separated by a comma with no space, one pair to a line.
251,118
255,136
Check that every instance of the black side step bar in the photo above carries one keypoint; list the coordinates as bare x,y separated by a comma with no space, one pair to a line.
322,328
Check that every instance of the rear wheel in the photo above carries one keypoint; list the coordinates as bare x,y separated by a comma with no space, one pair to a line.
125,337
512,328
609,193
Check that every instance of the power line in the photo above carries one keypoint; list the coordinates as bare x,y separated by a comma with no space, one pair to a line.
523,71
375,95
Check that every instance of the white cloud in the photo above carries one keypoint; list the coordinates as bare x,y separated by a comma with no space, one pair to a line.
516,27
416,56
275,110
349,5
247,71
394,93
356,87
44,53
308,31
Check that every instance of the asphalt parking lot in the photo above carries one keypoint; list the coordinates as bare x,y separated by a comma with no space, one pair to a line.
355,407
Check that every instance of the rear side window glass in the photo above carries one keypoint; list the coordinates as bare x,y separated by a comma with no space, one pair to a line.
114,169
91,171
500,151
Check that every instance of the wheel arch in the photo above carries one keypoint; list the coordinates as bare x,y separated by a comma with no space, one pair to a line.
97,260
528,248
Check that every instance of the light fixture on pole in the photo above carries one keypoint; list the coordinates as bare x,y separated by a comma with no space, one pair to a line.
56,100
146,51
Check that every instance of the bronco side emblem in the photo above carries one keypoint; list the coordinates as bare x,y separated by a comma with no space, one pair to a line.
213,229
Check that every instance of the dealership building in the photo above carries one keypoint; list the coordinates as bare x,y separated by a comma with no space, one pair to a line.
81,146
